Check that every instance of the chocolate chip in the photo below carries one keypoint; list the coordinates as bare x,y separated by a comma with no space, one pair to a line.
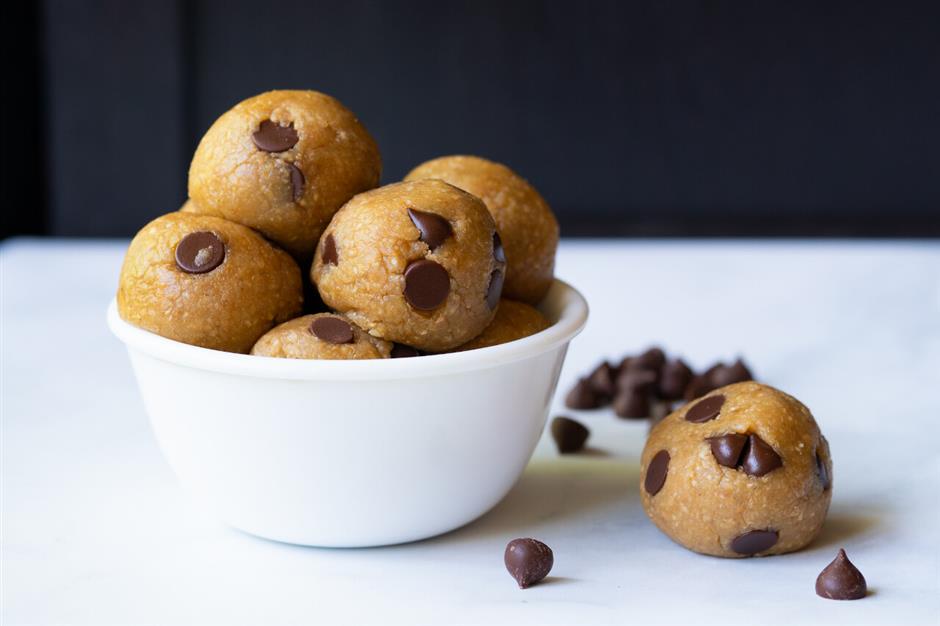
434,229
401,351
332,330
495,288
705,409
722,374
499,253
658,412
823,472
528,561
755,541
698,387
727,449
582,396
426,284
841,580
272,137
632,403
569,435
759,458
636,378
329,256
652,359
656,473
674,377
297,182
200,252
602,379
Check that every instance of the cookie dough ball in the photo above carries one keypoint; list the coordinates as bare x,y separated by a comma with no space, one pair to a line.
206,281
514,320
743,471
524,220
321,336
282,163
416,263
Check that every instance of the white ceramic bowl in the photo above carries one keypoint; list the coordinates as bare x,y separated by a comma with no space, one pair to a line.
352,453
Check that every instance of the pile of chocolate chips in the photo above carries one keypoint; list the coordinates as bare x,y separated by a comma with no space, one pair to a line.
649,384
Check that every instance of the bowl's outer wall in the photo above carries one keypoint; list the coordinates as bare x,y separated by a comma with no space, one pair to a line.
348,463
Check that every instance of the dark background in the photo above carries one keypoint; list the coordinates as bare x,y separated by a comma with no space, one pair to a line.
633,118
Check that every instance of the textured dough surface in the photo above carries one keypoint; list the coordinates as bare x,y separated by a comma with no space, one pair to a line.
231,177
293,340
514,320
256,286
375,241
704,506
524,220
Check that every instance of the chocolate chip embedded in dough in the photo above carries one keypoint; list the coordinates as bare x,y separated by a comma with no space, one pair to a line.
755,541
822,472
759,458
841,580
434,229
656,473
528,561
427,284
569,435
297,182
332,330
272,137
495,288
705,409
199,252
401,351
330,255
727,449
499,253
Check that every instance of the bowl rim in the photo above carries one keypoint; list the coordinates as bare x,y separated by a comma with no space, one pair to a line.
571,312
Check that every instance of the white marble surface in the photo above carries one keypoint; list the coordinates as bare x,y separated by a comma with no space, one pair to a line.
95,530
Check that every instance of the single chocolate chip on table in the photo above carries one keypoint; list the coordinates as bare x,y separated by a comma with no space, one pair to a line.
401,351
632,403
652,359
434,229
723,374
273,137
200,252
582,396
569,435
602,379
656,473
636,378
332,330
426,284
698,387
674,377
705,410
755,541
329,256
841,580
297,182
528,561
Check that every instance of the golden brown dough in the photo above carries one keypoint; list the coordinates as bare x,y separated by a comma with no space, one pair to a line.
524,220
321,336
239,285
514,320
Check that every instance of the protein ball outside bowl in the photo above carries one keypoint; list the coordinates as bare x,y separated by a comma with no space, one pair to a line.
416,263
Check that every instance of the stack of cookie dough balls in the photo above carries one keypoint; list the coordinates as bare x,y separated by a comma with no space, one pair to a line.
743,471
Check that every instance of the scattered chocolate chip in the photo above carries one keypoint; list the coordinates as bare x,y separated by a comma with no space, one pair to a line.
656,473
200,252
727,449
698,387
426,284
297,182
329,256
272,137
722,374
495,289
636,378
528,561
658,412
755,541
602,379
841,580
499,253
705,409
652,359
569,434
823,472
401,351
632,403
332,330
674,377
434,229
582,396
759,458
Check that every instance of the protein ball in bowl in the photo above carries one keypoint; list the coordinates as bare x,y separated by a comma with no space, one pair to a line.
743,471
321,336
514,320
283,162
417,263
206,281
524,220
